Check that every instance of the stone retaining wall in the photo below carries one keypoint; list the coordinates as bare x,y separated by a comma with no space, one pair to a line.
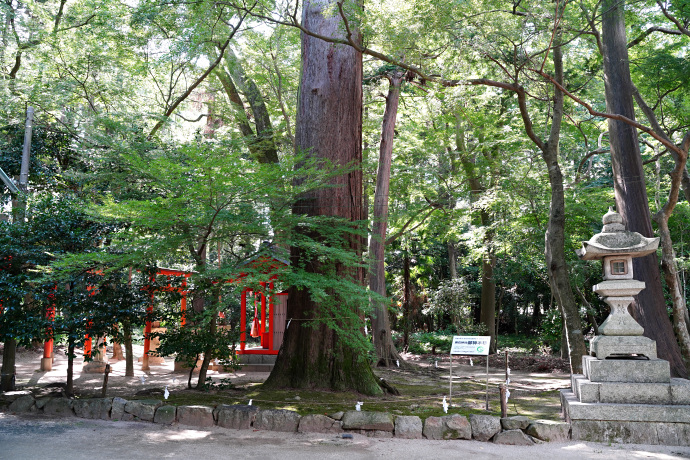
511,430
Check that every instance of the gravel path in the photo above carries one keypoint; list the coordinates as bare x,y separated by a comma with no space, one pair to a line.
32,437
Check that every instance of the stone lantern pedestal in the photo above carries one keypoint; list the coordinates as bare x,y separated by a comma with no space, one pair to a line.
620,335
99,359
625,394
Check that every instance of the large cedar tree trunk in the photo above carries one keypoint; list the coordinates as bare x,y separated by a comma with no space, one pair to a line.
649,308
386,354
329,122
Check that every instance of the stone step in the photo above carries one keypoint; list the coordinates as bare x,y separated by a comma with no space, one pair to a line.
677,392
576,410
257,368
257,359
627,423
626,370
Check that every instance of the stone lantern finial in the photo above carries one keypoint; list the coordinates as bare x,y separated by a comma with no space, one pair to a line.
613,222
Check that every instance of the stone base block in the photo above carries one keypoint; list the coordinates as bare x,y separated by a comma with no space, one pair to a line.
659,433
46,364
584,389
183,367
680,391
603,346
626,370
94,367
662,413
256,358
153,360
677,392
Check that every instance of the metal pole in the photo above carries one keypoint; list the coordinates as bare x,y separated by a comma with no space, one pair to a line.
487,382
9,182
450,396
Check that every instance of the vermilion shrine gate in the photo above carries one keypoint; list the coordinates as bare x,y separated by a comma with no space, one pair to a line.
270,309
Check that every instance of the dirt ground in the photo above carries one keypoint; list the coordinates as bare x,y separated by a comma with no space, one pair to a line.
425,369
30,437
36,436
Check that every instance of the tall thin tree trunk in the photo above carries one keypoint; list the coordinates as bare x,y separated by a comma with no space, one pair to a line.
208,354
264,143
386,354
649,308
129,357
407,299
19,201
555,234
670,268
329,123
8,365
69,389
452,259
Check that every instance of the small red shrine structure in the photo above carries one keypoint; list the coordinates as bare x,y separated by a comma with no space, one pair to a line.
270,307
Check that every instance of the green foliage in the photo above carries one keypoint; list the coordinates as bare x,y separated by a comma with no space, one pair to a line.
430,342
452,297
552,329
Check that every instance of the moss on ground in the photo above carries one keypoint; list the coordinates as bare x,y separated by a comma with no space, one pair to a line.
421,394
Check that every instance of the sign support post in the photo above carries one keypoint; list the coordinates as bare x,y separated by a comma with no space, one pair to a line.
487,382
473,346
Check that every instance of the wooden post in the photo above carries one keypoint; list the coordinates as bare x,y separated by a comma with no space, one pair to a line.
504,402
105,380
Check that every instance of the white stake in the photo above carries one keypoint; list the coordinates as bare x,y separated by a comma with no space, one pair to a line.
445,405
166,393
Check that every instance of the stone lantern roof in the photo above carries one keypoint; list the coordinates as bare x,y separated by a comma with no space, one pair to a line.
614,240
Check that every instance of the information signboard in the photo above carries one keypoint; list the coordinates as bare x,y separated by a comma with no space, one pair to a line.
470,345
473,345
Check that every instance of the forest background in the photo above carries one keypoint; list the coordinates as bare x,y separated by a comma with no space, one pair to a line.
487,136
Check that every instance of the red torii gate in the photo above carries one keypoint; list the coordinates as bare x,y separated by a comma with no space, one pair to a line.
168,272
272,312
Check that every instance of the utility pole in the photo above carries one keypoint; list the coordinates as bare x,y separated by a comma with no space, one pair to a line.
8,371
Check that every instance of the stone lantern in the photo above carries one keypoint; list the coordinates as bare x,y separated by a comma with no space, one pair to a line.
625,393
619,335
